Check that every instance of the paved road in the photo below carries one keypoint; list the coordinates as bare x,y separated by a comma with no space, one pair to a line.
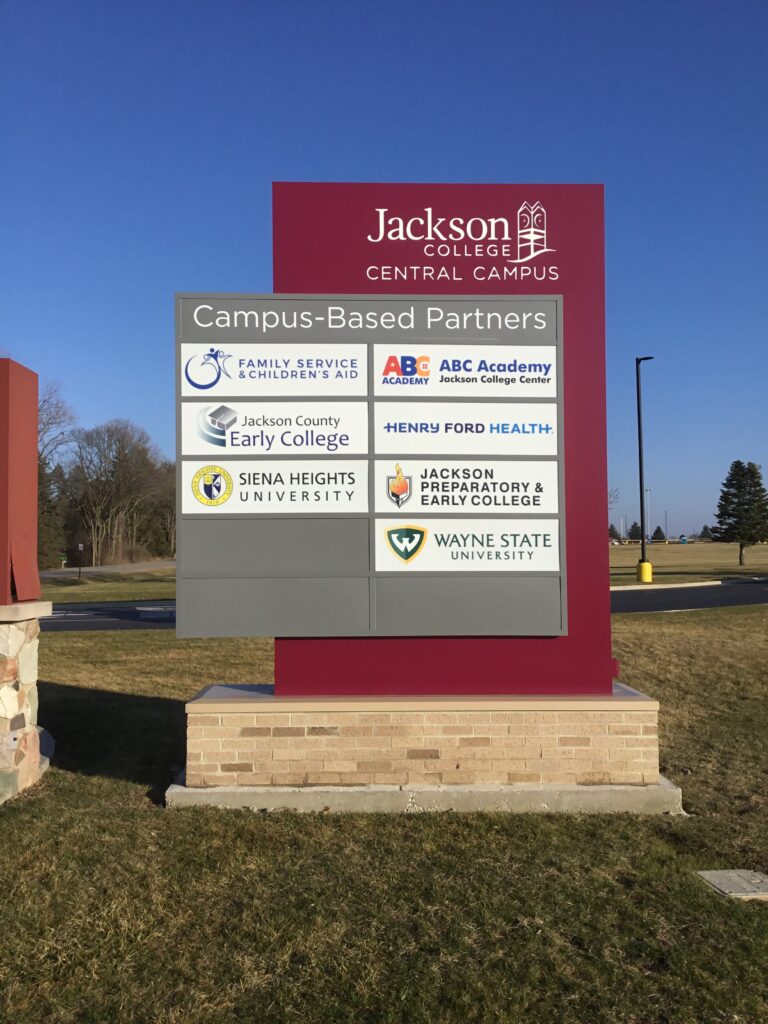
162,614
690,598
68,618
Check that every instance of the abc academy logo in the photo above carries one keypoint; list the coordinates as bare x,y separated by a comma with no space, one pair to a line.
500,248
406,541
212,485
406,370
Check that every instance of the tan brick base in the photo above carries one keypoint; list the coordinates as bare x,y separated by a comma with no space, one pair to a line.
238,737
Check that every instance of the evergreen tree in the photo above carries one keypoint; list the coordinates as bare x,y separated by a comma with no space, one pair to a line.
51,536
613,533
742,511
706,533
658,534
634,532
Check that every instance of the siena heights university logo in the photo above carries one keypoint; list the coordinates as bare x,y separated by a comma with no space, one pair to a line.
212,485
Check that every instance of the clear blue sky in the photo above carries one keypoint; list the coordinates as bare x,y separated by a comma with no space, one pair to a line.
140,140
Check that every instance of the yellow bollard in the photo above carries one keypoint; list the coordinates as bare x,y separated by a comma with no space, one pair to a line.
644,572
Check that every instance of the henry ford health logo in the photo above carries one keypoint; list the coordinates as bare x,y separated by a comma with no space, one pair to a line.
204,372
212,485
407,541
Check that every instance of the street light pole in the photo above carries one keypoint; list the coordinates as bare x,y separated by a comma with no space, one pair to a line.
644,568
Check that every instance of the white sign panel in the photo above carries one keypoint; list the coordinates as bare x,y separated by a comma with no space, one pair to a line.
476,371
277,487
274,428
460,428
274,369
416,485
467,545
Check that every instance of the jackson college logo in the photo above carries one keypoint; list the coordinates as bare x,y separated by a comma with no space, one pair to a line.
212,485
406,541
531,232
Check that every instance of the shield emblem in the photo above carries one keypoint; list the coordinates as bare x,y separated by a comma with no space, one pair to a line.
406,541
398,487
212,484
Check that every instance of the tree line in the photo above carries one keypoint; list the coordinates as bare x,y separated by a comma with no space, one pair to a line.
742,512
107,488
110,490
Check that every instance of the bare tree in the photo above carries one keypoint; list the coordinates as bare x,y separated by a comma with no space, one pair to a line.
164,504
112,477
55,421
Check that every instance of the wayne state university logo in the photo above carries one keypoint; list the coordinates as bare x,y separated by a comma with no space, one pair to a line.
406,541
212,485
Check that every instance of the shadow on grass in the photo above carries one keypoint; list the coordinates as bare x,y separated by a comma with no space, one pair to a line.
116,735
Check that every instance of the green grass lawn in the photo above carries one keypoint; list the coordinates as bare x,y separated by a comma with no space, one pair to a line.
137,586
116,910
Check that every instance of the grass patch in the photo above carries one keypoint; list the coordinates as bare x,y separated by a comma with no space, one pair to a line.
117,910
688,563
136,586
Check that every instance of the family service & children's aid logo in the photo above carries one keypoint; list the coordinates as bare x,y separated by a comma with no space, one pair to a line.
212,485
204,372
406,541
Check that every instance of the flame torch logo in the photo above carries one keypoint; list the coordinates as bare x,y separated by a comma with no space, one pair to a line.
398,487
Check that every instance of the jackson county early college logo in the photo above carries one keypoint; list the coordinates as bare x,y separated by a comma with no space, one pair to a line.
531,232
213,423
398,487
212,485
204,372
406,541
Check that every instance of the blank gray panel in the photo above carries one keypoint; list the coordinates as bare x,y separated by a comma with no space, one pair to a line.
274,547
470,606
269,607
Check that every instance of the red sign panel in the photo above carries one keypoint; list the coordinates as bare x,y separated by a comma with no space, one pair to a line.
19,580
379,239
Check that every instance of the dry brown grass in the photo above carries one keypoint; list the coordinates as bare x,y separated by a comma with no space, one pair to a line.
688,563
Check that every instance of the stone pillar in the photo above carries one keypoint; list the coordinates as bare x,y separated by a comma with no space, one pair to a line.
25,748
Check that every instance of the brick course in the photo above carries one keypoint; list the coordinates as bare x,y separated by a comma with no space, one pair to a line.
430,747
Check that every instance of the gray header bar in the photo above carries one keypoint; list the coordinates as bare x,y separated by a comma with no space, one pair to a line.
356,318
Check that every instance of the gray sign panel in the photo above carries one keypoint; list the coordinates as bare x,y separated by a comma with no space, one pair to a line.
354,466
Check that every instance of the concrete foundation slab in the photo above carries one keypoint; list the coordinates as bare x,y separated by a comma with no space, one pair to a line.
24,610
661,798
